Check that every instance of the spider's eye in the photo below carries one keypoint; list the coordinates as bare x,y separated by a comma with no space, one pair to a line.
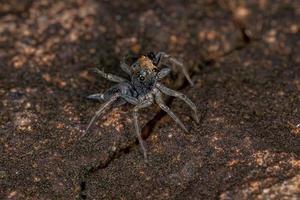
141,78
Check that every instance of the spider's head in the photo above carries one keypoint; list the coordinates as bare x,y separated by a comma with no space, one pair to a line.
144,74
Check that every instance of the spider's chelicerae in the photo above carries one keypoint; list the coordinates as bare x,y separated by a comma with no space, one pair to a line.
142,89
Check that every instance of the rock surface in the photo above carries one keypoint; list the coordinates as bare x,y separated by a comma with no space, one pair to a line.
243,57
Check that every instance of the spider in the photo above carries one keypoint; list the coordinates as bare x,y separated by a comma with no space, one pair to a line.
142,89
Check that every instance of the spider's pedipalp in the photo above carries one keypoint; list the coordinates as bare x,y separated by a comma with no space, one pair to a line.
181,96
161,55
165,108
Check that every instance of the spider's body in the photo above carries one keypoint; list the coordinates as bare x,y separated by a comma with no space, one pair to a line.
144,76
142,89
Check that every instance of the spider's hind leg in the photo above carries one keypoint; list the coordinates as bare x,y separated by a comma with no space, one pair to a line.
96,97
115,96
106,95
103,107
123,88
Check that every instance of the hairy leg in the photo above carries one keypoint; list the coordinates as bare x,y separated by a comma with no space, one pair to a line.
123,88
163,73
165,108
110,77
125,67
98,96
161,55
181,96
136,124
130,99
101,110
113,98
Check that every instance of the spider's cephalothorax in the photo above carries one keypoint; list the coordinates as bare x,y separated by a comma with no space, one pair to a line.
142,89
144,75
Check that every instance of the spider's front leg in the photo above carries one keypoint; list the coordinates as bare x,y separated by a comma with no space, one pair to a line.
160,56
136,109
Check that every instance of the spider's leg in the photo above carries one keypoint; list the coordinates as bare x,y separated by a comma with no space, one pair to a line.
125,67
127,93
110,77
123,88
98,96
161,55
130,99
101,110
165,108
181,96
136,124
107,94
163,73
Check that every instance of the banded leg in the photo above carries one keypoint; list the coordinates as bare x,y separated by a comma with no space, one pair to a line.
162,55
165,108
101,110
110,77
181,96
98,96
101,97
136,124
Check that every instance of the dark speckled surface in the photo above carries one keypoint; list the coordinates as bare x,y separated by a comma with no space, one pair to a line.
242,55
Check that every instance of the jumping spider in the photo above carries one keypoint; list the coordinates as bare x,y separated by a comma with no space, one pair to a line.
142,89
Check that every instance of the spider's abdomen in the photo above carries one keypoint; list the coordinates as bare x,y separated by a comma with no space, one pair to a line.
124,88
